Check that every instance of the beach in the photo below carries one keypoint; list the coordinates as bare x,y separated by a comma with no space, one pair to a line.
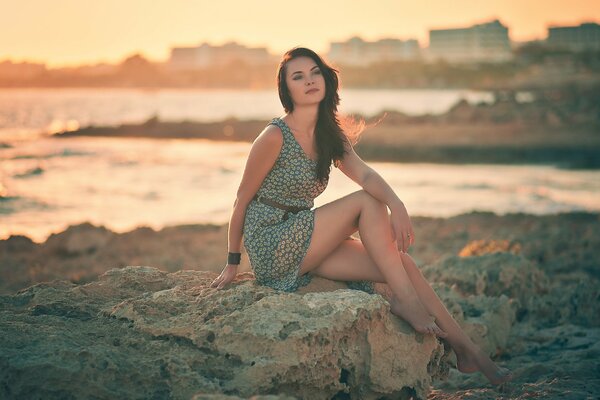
543,268
523,285
556,126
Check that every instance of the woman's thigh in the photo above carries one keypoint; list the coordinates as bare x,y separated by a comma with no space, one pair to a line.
334,222
349,262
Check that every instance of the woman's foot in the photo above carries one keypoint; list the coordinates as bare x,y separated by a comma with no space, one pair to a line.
414,313
465,364
474,360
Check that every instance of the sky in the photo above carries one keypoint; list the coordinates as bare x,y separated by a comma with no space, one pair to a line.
71,32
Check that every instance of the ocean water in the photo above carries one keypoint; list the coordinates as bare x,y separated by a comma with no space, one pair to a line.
30,113
47,184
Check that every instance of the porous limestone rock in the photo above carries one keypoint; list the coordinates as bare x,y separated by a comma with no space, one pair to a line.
492,274
486,320
139,332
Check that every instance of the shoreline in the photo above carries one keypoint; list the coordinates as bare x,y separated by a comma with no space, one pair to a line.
26,262
524,287
558,127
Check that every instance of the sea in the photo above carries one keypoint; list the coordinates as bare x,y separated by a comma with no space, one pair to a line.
47,184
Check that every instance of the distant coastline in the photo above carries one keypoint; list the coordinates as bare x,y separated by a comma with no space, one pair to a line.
558,127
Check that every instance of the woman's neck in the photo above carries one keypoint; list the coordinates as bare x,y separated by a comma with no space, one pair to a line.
303,121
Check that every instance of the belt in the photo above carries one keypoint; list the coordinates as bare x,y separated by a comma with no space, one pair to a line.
288,209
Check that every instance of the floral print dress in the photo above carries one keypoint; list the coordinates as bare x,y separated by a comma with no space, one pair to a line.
277,241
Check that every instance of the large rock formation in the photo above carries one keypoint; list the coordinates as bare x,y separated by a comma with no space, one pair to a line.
526,288
139,332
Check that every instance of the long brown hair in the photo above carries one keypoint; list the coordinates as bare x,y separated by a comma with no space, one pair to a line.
331,130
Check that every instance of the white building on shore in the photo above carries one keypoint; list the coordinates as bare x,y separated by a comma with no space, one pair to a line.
206,55
582,37
355,51
486,42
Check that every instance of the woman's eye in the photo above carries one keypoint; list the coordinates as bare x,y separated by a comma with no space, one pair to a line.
296,77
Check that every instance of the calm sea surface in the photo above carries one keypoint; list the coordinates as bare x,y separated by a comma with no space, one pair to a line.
47,184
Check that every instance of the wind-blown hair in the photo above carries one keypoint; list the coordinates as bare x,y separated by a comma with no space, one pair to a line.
331,130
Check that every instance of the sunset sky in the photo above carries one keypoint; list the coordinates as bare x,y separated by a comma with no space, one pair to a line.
70,32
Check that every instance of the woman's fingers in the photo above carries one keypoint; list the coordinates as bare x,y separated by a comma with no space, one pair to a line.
217,280
226,276
225,282
221,281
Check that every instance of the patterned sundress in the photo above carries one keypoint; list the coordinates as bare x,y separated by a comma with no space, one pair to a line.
276,241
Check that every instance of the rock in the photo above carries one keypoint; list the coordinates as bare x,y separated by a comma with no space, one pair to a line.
493,274
139,332
16,244
481,247
79,239
572,301
203,396
486,320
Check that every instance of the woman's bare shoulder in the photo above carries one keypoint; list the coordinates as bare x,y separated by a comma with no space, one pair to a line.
268,143
271,135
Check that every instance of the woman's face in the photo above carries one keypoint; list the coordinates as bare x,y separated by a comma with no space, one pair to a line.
302,75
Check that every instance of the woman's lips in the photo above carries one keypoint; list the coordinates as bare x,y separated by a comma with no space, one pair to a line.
312,90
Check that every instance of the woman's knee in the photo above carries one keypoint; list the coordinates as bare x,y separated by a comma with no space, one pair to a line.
368,200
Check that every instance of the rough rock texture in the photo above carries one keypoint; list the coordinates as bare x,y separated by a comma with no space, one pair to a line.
487,320
558,243
490,274
139,332
552,346
485,267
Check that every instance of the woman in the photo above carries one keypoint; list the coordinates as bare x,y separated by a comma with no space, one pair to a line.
288,242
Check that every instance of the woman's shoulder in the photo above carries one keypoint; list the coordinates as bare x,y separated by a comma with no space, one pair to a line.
274,129
271,134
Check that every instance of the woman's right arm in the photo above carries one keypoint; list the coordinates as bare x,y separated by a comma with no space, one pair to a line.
263,154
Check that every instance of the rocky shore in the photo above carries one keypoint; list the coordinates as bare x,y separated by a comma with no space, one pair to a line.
558,126
131,315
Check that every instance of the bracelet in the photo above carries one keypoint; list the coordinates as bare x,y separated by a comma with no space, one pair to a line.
233,258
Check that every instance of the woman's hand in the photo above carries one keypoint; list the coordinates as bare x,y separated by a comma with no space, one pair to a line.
402,230
226,276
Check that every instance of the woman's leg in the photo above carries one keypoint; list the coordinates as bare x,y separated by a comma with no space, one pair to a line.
351,261
336,220
469,357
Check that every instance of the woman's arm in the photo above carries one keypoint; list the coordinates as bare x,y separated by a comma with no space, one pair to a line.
370,180
263,154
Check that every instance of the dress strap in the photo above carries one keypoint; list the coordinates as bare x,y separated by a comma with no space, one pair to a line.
284,129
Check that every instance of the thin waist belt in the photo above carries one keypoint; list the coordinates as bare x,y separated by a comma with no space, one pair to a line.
264,200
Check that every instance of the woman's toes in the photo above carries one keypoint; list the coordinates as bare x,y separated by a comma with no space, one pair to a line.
501,376
440,332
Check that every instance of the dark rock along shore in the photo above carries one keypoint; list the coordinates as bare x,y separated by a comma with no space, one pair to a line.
524,287
560,126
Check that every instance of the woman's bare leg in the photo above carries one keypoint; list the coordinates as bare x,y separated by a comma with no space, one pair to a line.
469,356
372,219
351,261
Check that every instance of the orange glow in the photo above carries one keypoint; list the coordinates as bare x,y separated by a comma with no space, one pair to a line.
71,32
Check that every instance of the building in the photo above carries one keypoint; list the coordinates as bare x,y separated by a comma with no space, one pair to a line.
583,37
486,42
22,70
358,52
206,55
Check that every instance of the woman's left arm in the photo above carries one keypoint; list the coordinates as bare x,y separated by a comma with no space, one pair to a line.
370,180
